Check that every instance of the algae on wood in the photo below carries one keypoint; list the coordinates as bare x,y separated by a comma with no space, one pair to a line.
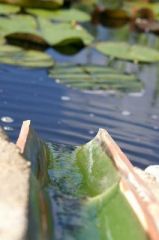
87,196
88,192
33,148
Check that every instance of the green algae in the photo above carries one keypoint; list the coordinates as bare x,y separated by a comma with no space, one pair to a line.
89,204
113,217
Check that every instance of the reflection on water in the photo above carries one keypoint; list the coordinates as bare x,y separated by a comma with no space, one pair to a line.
7,119
64,115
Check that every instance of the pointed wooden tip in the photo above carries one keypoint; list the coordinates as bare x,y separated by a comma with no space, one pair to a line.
23,135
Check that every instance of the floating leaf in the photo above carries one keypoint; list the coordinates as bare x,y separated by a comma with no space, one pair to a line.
50,4
68,15
95,77
17,24
2,40
20,57
8,9
110,4
88,5
126,51
62,34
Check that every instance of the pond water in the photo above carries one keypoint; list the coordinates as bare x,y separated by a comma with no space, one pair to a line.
64,115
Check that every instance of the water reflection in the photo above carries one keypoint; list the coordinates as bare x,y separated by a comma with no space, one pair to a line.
7,119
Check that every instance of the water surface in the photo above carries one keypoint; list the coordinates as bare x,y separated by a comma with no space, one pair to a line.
64,115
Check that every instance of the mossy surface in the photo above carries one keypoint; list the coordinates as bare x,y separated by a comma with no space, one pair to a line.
85,190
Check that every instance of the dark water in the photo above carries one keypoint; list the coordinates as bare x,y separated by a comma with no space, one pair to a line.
64,115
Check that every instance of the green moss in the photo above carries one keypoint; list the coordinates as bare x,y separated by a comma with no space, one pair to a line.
89,204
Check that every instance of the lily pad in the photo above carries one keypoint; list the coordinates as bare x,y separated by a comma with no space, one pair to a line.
52,33
61,15
126,51
8,9
109,4
63,33
95,77
20,57
17,23
36,3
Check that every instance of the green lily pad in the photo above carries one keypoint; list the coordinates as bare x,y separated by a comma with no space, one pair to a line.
8,9
17,24
61,34
109,4
61,15
20,57
95,77
126,51
35,4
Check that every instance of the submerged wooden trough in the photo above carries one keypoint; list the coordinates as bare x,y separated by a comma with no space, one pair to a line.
53,191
